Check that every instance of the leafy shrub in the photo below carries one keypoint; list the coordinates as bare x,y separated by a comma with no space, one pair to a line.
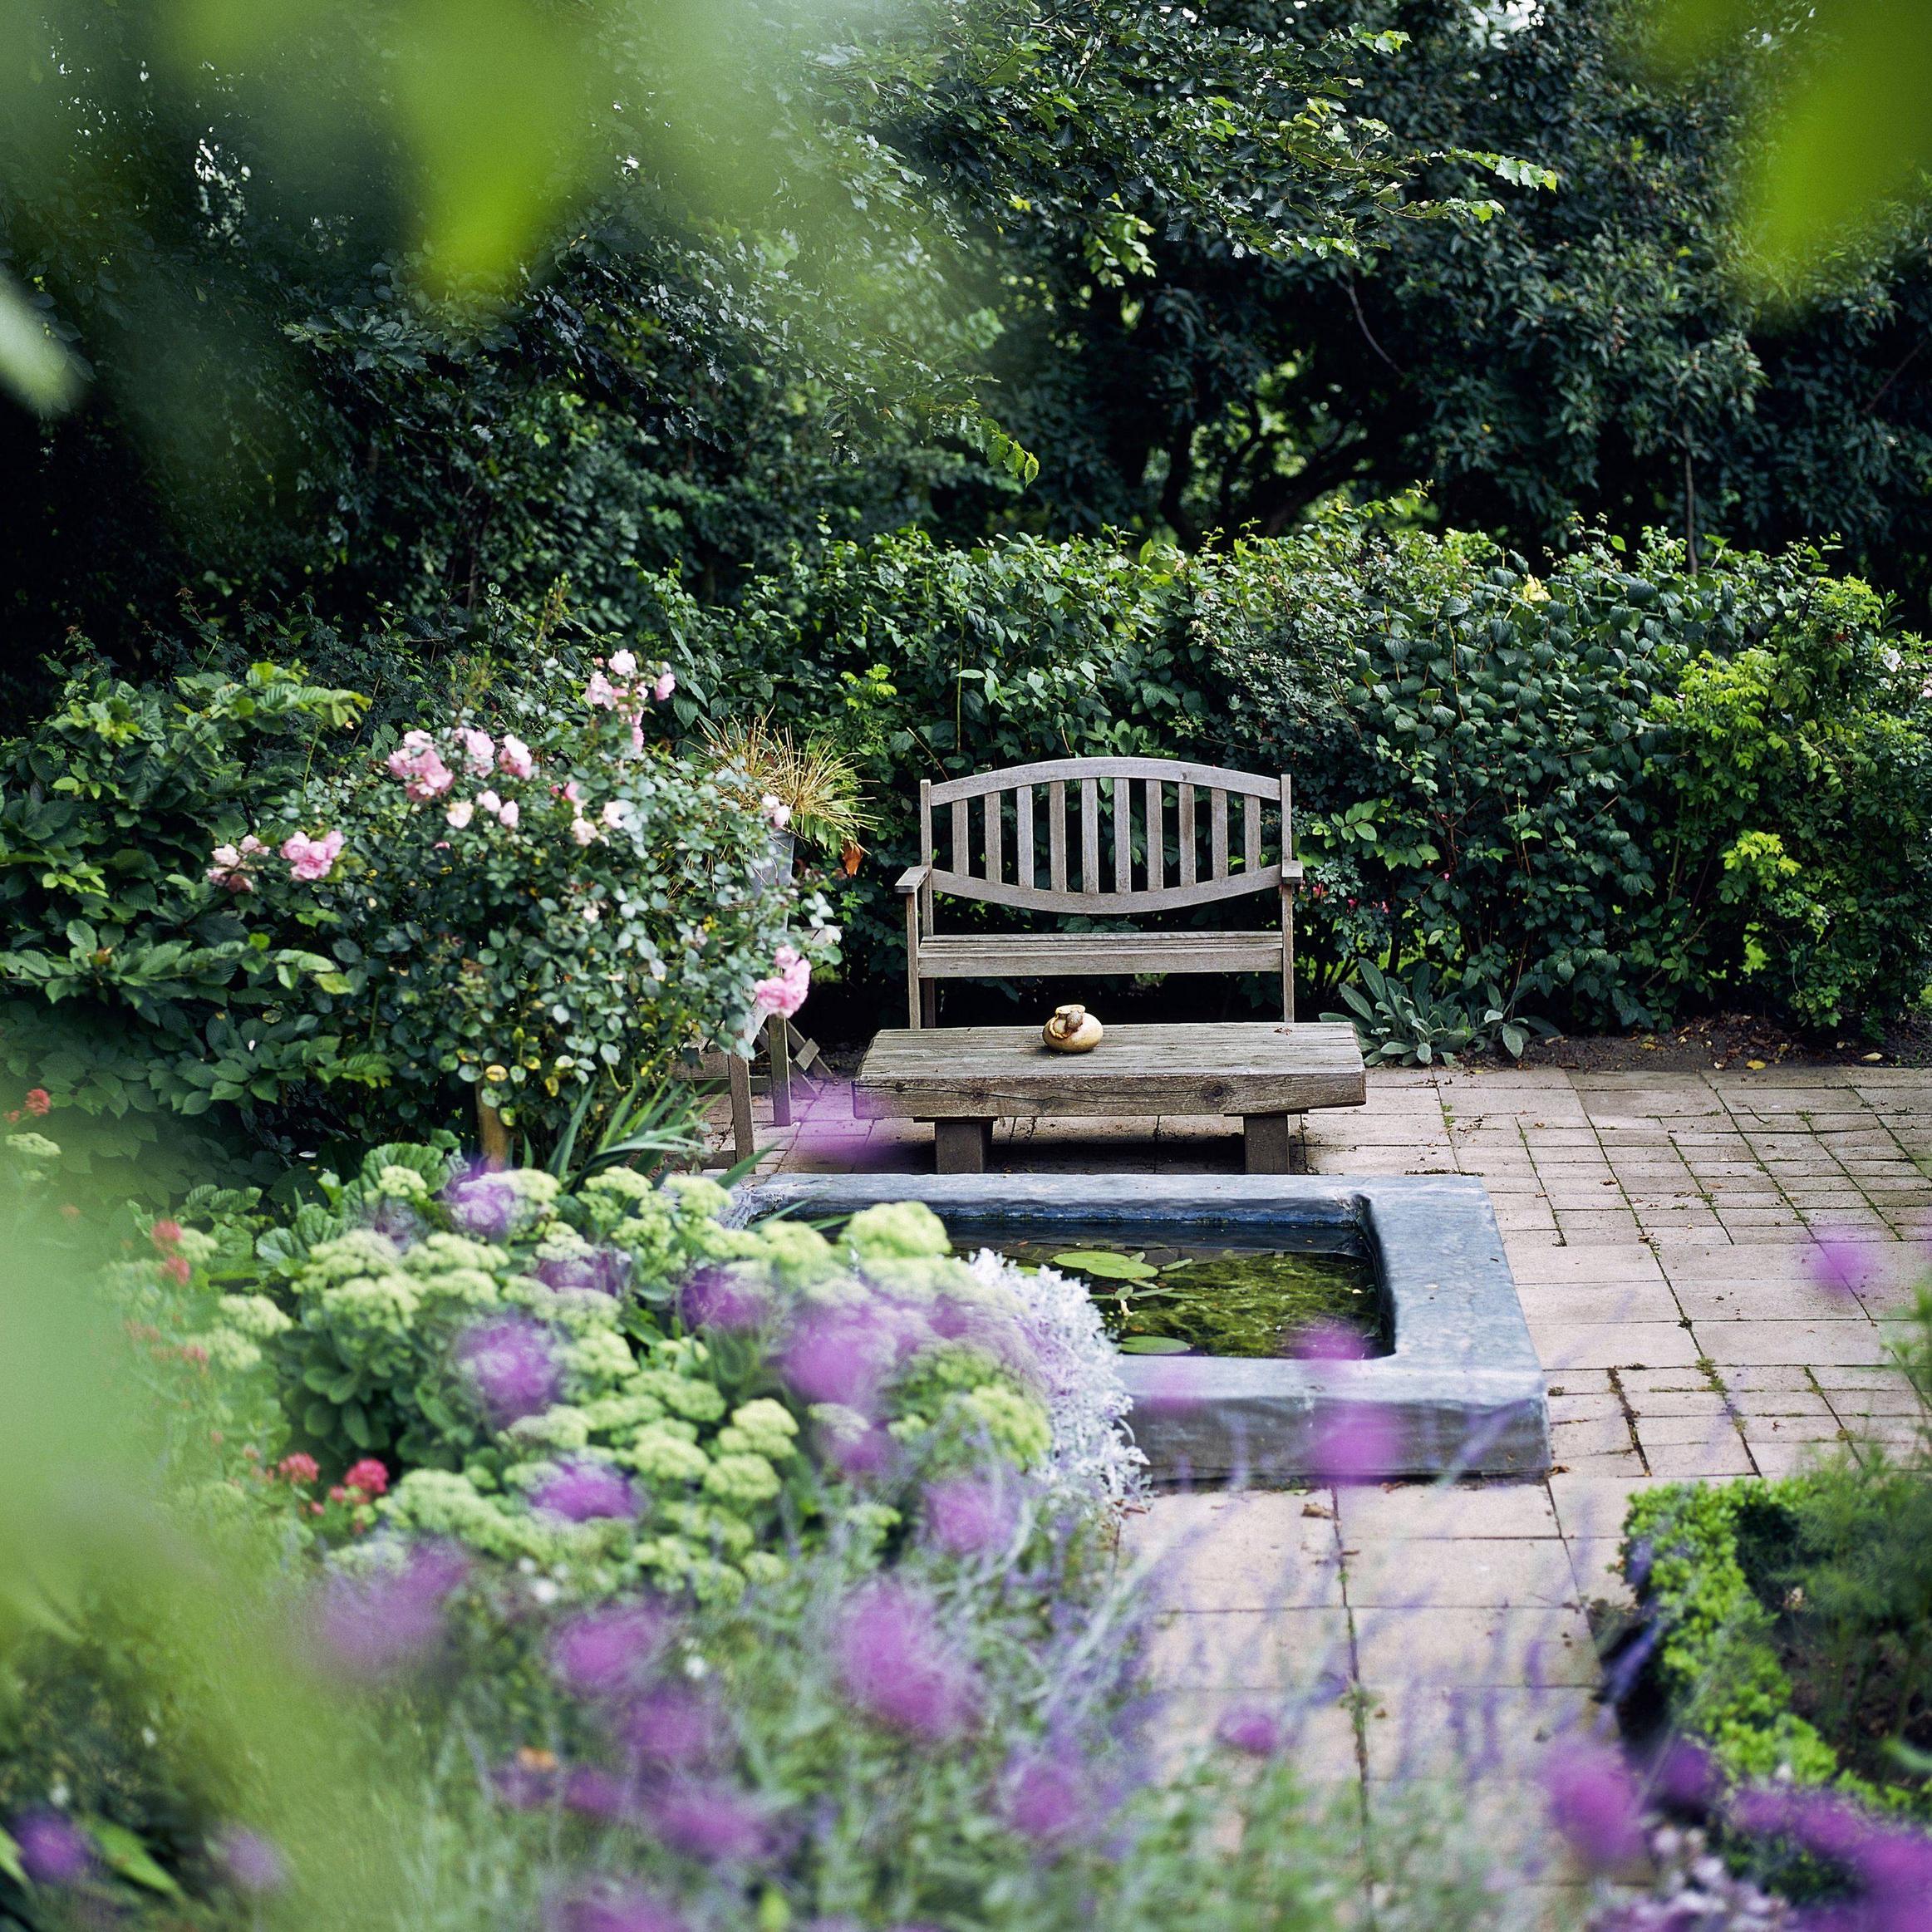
607,1381
212,907
1791,1622
1613,792
1412,1024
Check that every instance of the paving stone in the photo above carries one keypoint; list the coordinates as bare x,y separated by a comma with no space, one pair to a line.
1598,1564
1474,1646
1572,1437
1272,1650
1253,1553
1612,1344
1595,1265
1702,1462
1643,1301
1809,1344
1748,1300
1418,1573
1425,1512
1470,1731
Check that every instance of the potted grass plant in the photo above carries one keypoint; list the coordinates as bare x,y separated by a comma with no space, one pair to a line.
810,791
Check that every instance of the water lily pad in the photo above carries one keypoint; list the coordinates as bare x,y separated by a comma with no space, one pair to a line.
1106,1266
1151,1345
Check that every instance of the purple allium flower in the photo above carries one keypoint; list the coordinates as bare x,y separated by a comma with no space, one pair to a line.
1683,1775
583,1488
1251,1730
1840,1267
604,1652
512,1366
1895,1866
484,1203
868,1455
604,1270
54,1851
834,1357
1355,1441
1047,1797
964,1515
670,1726
609,1908
710,1820
897,1667
1593,1802
373,1624
596,1793
252,1863
721,1298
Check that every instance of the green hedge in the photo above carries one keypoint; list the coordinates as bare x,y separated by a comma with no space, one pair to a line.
1739,1580
1625,789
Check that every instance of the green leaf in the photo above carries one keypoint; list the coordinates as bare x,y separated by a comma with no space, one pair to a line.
1151,1345
126,1855
1107,1267
10,1864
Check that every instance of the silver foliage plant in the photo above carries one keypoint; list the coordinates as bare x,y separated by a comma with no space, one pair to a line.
1094,1456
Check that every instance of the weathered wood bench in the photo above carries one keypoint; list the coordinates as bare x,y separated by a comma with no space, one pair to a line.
1150,835
964,1078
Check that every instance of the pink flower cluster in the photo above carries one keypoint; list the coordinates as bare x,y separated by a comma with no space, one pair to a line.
426,774
234,864
630,693
784,991
309,859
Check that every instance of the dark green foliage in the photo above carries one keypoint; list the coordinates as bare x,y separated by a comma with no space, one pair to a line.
1616,793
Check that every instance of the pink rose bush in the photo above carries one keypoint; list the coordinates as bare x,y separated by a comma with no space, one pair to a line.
234,864
420,766
783,992
310,859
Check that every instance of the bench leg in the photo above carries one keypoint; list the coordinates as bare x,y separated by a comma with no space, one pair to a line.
744,1139
1267,1139
961,1147
779,1047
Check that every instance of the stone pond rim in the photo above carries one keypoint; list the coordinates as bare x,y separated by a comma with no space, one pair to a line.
1461,1393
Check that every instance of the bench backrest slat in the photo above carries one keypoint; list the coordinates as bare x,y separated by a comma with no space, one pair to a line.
1171,870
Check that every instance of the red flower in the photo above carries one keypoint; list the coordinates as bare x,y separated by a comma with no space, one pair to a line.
164,1234
368,1475
38,1100
298,1468
176,1268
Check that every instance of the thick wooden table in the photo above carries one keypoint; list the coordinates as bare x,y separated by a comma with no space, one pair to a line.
962,1079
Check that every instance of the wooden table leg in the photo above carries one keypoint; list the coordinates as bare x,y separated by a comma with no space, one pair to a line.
1267,1139
778,1046
744,1139
961,1147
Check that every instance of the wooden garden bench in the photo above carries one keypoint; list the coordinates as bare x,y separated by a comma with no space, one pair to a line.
1145,840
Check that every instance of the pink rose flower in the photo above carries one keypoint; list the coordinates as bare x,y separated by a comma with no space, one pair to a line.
515,758
784,992
637,735
582,831
776,810
308,858
599,691
232,863
510,814
623,663
420,766
460,812
573,791
479,749
617,814
666,685
489,801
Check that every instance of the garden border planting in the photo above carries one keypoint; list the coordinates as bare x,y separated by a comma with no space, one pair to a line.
1463,1389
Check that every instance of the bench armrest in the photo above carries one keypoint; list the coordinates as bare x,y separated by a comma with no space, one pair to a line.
912,879
1291,874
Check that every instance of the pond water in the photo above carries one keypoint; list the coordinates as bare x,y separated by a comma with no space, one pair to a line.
1206,1300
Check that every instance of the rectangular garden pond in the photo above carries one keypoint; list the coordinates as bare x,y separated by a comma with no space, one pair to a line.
1458,1390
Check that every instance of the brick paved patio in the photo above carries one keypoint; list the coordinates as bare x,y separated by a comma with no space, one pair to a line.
1657,1224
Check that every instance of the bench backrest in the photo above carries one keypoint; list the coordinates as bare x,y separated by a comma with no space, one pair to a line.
1136,831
